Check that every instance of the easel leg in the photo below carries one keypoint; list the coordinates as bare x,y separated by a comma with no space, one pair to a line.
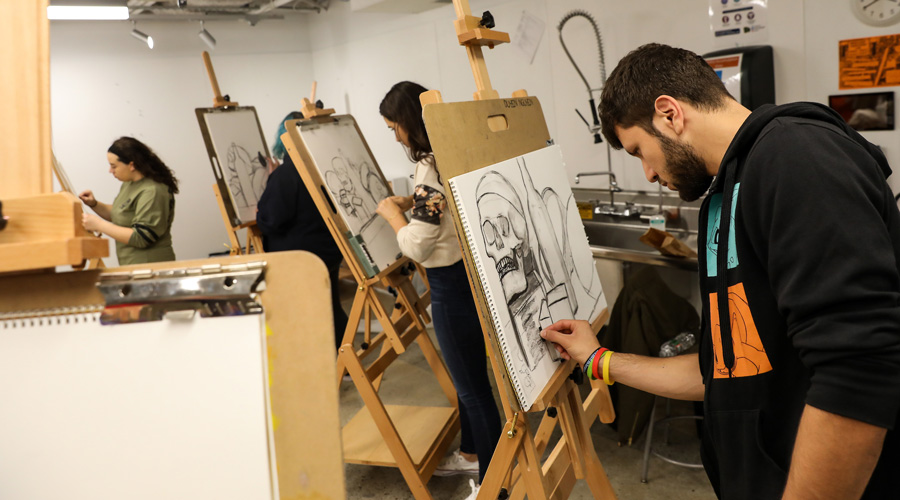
592,471
385,425
503,460
359,302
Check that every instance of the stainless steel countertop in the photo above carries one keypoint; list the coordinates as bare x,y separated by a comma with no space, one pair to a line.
608,253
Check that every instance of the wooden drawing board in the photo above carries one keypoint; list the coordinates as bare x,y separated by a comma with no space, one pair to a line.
325,145
457,151
300,359
466,136
238,154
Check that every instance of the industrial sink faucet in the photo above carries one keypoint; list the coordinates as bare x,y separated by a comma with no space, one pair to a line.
613,185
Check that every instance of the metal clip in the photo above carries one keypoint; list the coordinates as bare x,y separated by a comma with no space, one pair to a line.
212,290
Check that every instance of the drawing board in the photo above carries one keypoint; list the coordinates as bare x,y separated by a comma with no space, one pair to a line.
237,151
533,259
346,172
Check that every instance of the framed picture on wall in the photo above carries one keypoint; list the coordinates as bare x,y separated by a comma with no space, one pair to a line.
870,111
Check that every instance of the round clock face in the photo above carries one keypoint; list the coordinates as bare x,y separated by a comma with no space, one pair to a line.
877,12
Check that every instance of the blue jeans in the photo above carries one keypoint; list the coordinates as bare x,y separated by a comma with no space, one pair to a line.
459,335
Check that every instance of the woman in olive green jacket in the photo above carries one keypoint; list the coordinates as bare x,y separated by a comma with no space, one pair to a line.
140,218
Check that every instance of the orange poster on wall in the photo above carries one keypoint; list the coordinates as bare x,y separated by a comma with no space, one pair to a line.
869,62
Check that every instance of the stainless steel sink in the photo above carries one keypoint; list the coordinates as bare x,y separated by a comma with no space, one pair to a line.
620,241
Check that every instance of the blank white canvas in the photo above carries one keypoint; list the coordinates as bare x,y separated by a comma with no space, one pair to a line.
533,258
354,183
156,410
238,143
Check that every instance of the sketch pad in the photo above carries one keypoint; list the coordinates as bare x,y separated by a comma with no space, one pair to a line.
237,151
532,256
354,184
137,411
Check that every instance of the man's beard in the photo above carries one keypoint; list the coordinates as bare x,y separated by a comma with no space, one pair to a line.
686,169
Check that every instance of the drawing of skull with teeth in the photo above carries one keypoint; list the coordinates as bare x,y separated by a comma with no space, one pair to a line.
506,238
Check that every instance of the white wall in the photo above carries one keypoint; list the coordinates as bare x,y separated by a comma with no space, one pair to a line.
823,31
105,84
358,56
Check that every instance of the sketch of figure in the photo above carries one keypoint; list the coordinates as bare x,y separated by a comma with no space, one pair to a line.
372,183
356,202
246,175
535,274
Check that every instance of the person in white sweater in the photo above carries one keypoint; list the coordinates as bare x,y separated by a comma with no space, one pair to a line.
429,238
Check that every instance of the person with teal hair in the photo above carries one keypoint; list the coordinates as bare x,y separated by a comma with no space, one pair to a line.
289,220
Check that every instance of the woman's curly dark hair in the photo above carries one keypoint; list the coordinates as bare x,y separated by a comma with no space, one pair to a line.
129,150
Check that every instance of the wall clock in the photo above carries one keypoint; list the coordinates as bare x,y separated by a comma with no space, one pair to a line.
876,12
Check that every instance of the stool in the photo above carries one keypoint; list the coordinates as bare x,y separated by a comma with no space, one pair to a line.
648,445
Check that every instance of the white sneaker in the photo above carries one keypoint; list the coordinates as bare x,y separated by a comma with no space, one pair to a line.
454,464
475,488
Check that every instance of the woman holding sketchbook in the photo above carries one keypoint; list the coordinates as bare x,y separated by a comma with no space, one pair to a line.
140,218
429,238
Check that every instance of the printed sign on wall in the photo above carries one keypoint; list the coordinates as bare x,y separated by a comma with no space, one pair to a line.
729,70
738,22
869,62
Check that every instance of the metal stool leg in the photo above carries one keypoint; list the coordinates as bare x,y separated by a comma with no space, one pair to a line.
648,442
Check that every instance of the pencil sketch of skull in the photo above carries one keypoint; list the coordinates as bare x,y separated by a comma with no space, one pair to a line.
246,175
506,238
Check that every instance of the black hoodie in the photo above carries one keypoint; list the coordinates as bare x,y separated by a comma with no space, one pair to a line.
813,282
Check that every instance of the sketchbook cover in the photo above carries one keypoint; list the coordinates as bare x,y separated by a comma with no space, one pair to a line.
532,256
354,183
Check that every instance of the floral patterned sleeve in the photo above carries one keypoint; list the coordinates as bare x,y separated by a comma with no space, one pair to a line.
429,205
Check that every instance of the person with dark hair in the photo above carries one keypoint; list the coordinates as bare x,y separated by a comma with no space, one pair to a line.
288,219
140,218
430,239
799,362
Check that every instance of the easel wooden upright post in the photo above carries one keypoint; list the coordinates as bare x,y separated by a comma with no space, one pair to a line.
254,236
44,229
501,129
412,438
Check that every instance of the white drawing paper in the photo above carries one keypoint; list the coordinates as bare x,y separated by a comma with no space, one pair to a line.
354,183
241,151
535,264
143,411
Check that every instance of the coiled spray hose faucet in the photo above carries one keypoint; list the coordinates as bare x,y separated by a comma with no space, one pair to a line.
595,129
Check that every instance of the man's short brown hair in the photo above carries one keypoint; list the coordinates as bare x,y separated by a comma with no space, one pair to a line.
648,72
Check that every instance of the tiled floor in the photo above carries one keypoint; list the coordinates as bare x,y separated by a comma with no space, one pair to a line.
409,381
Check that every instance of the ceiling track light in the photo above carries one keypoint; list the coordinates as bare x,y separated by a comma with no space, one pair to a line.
141,35
208,39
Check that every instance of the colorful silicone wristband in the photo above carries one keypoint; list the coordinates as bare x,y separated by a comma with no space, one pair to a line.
606,377
587,364
595,369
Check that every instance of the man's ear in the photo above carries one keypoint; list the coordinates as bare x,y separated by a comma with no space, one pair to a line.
668,114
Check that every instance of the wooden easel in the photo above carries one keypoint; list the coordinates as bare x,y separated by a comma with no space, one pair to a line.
499,129
412,438
66,184
254,236
44,228
45,231
308,106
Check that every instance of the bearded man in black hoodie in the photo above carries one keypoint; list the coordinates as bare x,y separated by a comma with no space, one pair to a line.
801,376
